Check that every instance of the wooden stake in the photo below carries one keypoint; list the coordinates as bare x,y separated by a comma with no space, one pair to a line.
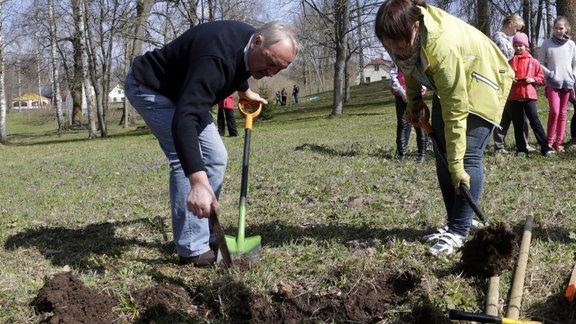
513,311
492,296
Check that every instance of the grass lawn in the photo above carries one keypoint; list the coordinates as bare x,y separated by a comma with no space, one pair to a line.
340,219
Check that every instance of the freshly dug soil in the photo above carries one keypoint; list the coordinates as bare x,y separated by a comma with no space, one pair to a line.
71,302
491,250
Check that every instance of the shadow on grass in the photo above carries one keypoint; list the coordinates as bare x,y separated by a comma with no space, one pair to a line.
323,149
278,234
29,139
351,150
77,246
554,310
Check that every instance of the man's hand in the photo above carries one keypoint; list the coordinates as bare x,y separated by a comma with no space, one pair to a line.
251,96
461,178
201,199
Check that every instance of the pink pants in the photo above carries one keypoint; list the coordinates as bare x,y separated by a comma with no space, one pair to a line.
558,102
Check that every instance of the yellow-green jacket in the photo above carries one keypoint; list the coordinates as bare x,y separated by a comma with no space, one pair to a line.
466,70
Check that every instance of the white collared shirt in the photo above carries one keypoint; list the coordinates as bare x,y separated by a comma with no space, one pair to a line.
246,52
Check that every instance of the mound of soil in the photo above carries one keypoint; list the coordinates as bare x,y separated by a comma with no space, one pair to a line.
491,251
366,303
164,303
71,302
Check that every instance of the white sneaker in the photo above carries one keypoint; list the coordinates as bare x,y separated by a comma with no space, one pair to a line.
476,225
433,237
530,148
447,244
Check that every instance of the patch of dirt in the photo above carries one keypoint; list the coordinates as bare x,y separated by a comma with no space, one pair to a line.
71,302
490,252
164,303
365,303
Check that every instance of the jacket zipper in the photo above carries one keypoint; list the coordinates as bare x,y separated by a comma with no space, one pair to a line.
484,79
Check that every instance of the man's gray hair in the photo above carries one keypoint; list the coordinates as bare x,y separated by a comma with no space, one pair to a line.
275,31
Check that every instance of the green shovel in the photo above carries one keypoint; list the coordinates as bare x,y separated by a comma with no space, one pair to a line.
240,246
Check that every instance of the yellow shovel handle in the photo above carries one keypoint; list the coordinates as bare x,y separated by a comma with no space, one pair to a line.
242,103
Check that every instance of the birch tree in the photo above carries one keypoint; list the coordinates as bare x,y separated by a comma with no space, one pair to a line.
56,96
3,134
78,10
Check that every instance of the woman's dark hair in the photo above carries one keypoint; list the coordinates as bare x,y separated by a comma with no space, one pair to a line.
395,19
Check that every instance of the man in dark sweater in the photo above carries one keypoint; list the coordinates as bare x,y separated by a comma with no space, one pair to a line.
173,89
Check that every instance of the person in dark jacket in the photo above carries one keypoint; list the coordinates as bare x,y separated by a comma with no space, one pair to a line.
403,127
173,89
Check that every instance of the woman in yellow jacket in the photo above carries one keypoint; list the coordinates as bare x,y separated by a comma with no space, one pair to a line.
470,78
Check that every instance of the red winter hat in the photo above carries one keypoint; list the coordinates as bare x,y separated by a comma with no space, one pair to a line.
520,38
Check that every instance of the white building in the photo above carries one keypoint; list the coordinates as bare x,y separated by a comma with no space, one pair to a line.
116,95
376,70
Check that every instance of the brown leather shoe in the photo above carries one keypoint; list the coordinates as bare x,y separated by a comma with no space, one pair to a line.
203,260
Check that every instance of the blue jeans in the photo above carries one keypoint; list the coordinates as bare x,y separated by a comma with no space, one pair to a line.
478,133
191,234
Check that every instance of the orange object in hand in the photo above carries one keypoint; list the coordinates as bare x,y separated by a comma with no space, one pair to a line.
245,105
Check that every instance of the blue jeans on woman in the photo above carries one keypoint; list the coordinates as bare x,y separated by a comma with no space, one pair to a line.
478,133
191,234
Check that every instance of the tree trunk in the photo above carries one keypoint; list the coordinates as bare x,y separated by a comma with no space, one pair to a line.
93,68
3,134
537,27
346,82
483,19
526,16
360,45
549,19
341,22
56,96
76,87
567,8
78,9
143,8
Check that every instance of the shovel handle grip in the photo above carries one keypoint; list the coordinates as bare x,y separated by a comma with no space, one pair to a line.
466,316
483,318
244,104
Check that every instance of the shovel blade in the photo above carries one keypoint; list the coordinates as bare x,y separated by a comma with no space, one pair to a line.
247,248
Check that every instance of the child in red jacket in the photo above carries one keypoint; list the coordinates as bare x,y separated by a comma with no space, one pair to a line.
523,96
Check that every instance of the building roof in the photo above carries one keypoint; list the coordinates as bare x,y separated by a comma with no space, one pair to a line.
29,96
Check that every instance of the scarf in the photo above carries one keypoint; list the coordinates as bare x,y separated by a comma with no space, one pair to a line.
560,41
519,65
408,64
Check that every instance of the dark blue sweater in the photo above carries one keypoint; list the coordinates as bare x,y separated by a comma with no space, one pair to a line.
196,70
